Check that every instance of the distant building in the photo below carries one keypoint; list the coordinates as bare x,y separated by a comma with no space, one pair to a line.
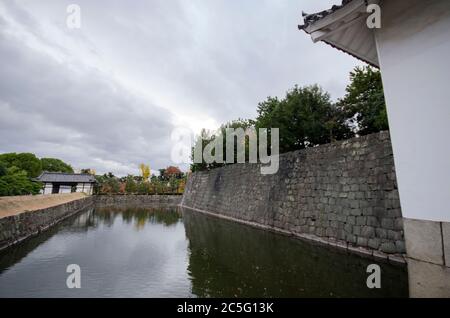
59,182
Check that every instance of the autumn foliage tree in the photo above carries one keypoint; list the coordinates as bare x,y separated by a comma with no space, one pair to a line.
173,172
145,171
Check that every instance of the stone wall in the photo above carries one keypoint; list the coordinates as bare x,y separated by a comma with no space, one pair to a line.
131,200
343,193
16,228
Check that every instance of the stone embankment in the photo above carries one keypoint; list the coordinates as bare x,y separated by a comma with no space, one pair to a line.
25,216
342,194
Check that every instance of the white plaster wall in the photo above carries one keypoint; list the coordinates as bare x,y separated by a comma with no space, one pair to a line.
47,188
86,189
414,51
80,187
65,189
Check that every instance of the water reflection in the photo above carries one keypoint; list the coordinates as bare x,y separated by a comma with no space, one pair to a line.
122,253
233,260
166,252
140,216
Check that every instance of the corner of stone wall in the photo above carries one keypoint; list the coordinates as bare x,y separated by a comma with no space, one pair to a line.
428,247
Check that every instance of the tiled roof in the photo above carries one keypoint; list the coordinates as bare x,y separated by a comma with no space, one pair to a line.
344,40
65,177
313,17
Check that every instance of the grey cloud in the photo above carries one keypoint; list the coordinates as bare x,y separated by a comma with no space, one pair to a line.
207,59
46,108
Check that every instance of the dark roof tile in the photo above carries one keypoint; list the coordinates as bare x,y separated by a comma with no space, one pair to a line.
309,19
65,177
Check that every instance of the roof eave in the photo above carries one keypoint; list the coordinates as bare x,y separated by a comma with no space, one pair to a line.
350,15
339,14
371,63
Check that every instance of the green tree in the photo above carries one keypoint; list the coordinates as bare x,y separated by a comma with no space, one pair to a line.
162,174
204,138
24,161
55,165
144,188
130,184
244,124
3,169
208,136
107,183
98,185
16,182
112,185
305,118
363,103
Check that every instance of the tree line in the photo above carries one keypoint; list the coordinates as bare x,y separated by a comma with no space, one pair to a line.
18,169
170,180
306,116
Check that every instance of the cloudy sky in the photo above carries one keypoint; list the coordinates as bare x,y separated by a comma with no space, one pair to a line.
109,95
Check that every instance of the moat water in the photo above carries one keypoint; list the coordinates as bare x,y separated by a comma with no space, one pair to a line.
180,253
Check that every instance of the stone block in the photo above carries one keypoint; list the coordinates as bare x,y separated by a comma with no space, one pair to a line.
381,233
379,211
374,243
361,220
373,221
387,223
428,280
368,231
350,238
394,235
388,247
357,230
319,231
398,224
400,246
348,228
354,204
331,232
369,211
351,220
341,234
424,240
361,241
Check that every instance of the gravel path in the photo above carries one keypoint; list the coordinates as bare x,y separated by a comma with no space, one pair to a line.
19,204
